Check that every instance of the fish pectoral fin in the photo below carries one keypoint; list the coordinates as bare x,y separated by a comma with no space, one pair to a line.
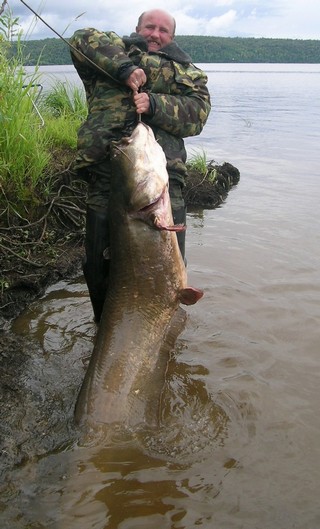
190,295
165,227
177,227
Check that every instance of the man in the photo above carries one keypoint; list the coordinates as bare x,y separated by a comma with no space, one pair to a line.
147,74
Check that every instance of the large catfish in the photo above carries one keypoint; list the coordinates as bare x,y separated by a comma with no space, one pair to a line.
147,282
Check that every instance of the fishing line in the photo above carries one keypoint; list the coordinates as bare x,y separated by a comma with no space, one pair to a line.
79,52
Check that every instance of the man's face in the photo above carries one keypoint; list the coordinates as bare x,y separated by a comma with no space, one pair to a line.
158,29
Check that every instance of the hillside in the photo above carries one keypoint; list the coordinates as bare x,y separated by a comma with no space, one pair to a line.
202,50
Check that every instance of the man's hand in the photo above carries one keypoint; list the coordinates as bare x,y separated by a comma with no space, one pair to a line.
142,102
136,79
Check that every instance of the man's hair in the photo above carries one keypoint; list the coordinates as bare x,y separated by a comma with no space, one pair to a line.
142,15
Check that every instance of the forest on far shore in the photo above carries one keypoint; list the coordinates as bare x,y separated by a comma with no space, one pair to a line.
53,51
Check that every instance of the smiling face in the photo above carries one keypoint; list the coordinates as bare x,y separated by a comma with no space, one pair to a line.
157,27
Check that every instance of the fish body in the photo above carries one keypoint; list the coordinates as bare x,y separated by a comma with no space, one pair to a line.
147,282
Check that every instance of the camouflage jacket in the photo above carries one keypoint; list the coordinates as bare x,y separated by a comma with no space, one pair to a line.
179,98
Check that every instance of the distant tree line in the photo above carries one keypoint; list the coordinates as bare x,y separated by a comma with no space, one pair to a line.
53,51
235,49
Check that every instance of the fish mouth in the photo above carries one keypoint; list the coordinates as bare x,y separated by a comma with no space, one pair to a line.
155,214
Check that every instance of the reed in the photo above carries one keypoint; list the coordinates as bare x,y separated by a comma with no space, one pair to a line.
29,134
198,163
23,146
63,108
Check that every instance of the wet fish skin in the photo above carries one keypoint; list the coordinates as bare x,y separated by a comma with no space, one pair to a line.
147,283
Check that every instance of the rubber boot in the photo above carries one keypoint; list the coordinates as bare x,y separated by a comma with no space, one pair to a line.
95,266
180,217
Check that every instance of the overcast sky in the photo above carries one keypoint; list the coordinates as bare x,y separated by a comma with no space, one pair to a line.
297,19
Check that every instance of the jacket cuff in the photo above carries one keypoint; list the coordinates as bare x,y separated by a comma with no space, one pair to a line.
125,71
152,108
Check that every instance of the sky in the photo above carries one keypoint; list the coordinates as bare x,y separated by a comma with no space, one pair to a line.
293,19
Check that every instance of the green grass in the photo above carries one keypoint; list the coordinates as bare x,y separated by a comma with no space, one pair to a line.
64,109
199,163
23,146
27,139
65,100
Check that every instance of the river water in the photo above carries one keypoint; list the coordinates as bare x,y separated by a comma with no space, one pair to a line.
240,445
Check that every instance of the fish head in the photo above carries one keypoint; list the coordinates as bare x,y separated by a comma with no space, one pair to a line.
141,168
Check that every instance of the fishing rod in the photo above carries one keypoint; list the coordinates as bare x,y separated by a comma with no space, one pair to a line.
79,52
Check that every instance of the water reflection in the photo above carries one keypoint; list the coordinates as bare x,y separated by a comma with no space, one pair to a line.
61,320
121,478
116,486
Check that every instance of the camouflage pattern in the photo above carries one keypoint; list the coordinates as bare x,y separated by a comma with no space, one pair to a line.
179,98
176,197
98,178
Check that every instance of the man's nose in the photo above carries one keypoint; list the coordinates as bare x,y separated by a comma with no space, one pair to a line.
155,33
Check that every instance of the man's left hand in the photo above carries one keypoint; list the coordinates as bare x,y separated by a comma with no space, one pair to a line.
142,102
136,79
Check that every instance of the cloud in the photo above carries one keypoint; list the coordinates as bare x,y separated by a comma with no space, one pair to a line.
218,25
244,18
